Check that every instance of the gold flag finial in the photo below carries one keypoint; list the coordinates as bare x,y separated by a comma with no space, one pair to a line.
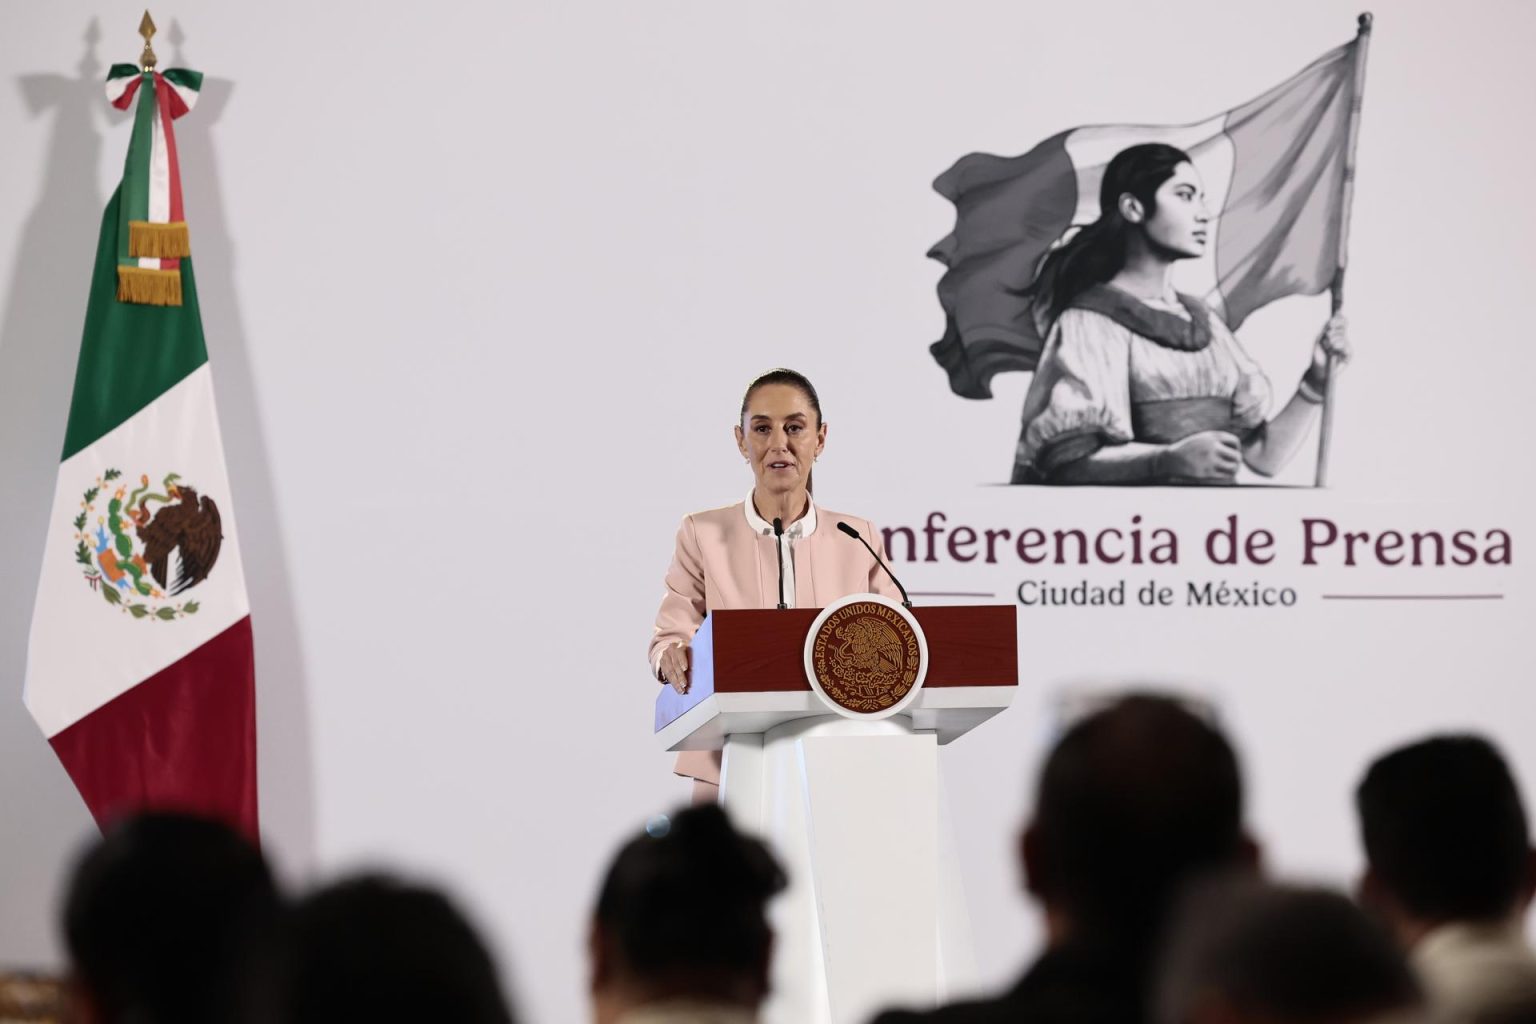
147,59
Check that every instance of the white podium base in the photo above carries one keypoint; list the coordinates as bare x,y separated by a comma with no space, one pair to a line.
871,918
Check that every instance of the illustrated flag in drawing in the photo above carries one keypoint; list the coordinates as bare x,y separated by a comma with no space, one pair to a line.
1274,172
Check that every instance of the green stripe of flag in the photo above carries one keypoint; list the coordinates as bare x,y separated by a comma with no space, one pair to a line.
135,186
130,354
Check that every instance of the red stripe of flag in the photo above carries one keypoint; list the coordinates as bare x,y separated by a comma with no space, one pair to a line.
184,739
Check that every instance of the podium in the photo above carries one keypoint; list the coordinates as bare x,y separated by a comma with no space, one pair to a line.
873,916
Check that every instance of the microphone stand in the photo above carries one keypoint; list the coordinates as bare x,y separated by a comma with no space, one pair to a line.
850,531
778,549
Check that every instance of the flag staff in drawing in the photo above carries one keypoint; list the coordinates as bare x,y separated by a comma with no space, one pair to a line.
140,666
1116,262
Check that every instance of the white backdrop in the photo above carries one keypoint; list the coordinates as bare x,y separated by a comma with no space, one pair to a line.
482,284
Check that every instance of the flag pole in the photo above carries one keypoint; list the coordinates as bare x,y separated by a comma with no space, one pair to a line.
1336,286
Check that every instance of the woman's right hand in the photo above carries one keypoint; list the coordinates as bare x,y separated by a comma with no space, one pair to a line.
1211,456
673,667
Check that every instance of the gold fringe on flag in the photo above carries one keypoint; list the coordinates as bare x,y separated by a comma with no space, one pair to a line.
157,240
148,287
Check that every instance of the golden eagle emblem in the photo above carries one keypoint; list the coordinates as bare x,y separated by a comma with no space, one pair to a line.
147,547
865,657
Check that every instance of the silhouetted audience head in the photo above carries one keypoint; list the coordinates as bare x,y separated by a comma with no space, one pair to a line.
1446,837
682,916
1242,952
378,950
1134,801
167,920
1449,867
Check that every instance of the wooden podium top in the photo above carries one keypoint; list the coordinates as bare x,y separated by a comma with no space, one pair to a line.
748,673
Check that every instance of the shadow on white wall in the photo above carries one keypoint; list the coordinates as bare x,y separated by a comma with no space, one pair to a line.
286,761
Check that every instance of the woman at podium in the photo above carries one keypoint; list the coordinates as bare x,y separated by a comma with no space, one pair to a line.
726,558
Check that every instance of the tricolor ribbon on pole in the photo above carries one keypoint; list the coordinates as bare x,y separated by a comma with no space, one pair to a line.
152,230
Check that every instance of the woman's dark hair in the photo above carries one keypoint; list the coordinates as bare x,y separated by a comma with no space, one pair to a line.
1097,252
798,381
688,897
376,949
172,918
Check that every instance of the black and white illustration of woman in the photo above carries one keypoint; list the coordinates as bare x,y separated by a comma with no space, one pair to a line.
1139,384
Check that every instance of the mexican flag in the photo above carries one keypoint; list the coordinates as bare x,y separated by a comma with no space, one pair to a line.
139,667
1275,172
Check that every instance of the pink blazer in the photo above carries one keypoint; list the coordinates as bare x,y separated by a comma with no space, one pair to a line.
720,562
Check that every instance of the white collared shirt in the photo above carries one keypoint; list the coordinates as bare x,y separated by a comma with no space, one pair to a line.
800,528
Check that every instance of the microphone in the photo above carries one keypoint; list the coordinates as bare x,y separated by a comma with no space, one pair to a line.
778,549
850,531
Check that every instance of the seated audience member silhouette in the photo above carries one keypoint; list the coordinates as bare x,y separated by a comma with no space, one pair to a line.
376,950
680,934
1134,802
169,919
1248,953
1449,866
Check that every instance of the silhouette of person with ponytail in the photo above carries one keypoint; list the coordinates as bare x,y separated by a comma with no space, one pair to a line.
680,933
